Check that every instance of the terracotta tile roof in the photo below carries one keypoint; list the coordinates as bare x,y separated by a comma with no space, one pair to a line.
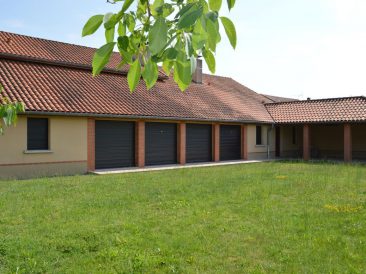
50,88
59,84
16,45
277,99
27,46
349,109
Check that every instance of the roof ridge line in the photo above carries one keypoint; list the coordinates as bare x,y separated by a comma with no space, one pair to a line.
266,96
45,39
71,65
61,63
30,59
318,100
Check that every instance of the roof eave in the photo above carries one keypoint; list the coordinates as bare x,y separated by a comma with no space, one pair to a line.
144,117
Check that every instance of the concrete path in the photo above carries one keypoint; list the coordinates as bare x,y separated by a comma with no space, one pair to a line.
167,167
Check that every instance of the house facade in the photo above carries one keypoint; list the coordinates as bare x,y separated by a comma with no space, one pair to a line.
75,123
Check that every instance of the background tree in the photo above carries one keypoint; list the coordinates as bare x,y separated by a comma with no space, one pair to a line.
161,32
8,111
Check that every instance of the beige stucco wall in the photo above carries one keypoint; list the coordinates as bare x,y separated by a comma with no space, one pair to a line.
42,170
67,143
260,152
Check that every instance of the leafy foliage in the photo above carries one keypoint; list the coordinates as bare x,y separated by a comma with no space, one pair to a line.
171,33
8,111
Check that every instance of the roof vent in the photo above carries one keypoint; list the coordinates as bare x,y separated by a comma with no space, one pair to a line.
197,75
308,98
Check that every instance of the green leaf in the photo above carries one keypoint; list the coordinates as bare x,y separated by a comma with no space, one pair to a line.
190,17
92,25
215,5
199,36
167,66
123,44
170,53
182,71
126,5
212,35
167,10
141,8
20,107
155,7
230,30
109,35
110,20
134,74
121,29
185,9
158,36
131,23
230,4
150,74
210,60
212,16
101,57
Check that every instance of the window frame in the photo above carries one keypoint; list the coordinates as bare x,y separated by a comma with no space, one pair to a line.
259,137
30,130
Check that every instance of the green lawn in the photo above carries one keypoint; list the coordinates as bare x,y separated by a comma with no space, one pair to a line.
268,217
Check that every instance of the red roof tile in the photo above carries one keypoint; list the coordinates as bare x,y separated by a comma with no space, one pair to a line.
277,99
16,45
27,46
49,88
59,84
349,109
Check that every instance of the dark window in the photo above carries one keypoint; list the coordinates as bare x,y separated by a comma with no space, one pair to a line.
294,137
37,134
259,135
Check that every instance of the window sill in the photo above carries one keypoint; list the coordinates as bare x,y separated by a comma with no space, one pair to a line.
260,145
37,151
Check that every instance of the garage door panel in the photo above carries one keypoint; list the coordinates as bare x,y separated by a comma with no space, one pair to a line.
160,143
198,143
114,144
230,142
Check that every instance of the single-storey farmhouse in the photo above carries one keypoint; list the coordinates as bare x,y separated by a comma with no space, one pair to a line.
75,123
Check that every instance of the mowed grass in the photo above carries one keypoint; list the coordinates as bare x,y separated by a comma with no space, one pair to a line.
251,218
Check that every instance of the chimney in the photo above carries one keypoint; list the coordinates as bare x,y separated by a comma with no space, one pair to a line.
197,75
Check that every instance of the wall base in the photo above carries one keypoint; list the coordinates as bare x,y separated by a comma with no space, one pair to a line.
42,170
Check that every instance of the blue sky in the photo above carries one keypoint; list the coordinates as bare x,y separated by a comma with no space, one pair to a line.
294,48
